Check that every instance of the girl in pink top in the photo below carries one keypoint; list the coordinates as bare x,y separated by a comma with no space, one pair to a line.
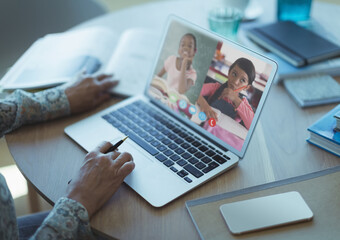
226,97
180,73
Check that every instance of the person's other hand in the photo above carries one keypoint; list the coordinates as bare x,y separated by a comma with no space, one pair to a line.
88,91
209,112
205,107
100,177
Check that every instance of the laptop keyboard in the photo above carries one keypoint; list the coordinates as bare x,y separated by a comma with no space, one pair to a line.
171,144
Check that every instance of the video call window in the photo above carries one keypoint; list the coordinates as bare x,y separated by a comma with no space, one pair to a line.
209,82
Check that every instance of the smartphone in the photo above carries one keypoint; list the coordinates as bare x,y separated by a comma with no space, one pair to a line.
265,212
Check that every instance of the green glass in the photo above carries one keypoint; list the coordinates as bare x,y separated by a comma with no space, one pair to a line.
225,21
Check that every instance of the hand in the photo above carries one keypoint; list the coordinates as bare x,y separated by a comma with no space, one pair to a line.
99,177
231,95
205,107
88,92
186,62
209,112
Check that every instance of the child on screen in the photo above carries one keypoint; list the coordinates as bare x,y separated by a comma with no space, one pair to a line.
226,98
180,73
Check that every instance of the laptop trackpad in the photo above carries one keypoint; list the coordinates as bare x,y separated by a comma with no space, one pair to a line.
140,157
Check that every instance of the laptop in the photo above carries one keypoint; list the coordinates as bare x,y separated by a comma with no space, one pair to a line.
176,144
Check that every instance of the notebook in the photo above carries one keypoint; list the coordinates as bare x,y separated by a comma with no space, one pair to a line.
172,153
313,90
293,43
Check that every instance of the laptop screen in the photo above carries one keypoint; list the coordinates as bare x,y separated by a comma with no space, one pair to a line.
216,85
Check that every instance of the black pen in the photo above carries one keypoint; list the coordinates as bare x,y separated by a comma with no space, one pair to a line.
114,147
111,149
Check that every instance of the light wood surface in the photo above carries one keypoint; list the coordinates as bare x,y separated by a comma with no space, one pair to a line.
277,150
317,190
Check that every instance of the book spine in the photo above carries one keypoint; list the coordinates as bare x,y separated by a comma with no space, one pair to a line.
320,58
328,139
321,102
326,149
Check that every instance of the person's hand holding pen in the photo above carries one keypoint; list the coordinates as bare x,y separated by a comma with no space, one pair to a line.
100,177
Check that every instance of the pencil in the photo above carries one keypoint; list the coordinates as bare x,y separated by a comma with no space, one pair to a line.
111,149
241,88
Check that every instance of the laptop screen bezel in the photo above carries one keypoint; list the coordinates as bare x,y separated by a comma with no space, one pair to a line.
193,125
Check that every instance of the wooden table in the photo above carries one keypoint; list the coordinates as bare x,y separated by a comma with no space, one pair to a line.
277,150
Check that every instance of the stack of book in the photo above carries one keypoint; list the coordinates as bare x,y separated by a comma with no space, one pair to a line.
325,133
